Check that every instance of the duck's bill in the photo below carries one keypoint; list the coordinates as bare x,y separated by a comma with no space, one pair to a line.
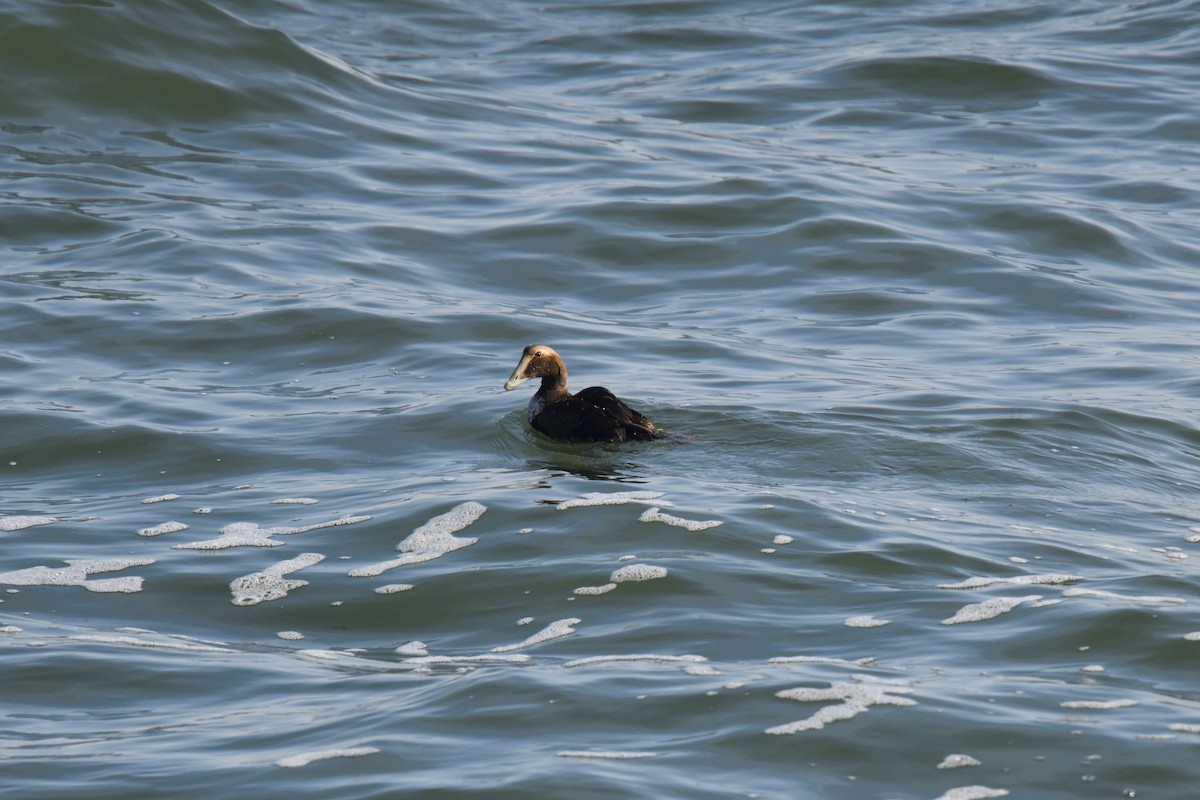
517,378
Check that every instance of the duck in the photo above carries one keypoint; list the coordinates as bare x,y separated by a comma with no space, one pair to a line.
592,415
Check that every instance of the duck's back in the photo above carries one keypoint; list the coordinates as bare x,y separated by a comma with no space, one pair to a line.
593,415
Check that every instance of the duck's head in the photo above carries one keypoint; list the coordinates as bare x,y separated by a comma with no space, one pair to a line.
537,361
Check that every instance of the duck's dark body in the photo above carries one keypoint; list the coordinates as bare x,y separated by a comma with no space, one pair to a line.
592,415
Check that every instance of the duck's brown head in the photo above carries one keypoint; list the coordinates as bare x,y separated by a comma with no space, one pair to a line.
539,361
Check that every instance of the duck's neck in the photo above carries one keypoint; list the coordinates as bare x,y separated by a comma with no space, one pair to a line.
553,388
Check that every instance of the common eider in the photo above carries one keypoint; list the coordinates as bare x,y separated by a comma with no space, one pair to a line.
592,415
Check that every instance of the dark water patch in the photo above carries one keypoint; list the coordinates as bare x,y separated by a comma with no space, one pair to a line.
863,306
1056,233
969,79
991,19
733,206
122,71
890,258
1139,25
78,285
1176,128
30,225
1132,436
663,37
1148,192
900,563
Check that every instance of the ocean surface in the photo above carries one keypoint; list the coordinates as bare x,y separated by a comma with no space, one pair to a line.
914,287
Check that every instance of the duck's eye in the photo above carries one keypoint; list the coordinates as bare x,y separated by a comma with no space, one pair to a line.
537,354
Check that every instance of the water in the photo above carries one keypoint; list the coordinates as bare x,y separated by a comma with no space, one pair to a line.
912,285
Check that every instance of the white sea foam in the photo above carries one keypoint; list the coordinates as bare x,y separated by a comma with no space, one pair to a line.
1184,727
555,630
1194,636
653,658
162,498
865,622
957,760
76,574
612,499
413,648
1098,705
291,636
250,534
304,759
1146,600
435,533
973,793
655,515
855,698
1020,580
17,522
989,609
432,540
592,590
294,501
166,527
238,534
782,539
611,754
637,572
393,588
259,587
333,523
703,670
484,658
